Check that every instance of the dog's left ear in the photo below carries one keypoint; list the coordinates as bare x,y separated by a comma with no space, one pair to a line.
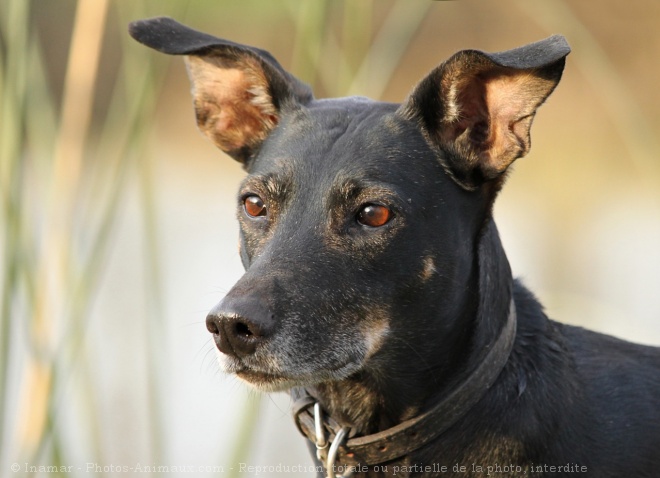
478,107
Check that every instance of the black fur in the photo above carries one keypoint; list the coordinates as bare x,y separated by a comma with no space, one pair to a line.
379,323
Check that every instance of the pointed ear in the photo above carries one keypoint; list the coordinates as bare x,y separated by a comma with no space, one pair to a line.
478,107
239,92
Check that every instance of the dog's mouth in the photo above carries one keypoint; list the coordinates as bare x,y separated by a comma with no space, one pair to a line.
289,363
271,381
268,382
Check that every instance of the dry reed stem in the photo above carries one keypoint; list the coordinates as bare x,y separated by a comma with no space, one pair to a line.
55,253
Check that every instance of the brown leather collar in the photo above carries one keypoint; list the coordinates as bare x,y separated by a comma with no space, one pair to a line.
412,434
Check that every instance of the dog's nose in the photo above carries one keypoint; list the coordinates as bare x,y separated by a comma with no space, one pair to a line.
239,326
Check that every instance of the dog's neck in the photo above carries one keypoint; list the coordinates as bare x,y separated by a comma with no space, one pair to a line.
369,402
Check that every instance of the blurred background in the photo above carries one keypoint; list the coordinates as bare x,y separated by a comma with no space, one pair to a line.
117,217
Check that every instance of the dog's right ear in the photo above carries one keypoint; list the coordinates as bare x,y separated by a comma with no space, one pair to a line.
239,92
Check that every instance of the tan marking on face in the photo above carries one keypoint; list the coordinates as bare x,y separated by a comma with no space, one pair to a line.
374,336
429,268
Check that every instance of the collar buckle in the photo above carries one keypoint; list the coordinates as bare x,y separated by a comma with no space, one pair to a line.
322,443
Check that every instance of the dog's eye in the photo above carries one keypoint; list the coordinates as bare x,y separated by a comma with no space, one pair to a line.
254,206
374,215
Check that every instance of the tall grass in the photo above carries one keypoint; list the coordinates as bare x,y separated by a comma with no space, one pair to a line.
54,249
12,116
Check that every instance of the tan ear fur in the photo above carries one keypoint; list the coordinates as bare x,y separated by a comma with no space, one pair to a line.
476,109
489,113
233,105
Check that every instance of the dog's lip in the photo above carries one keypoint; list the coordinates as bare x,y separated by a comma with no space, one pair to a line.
263,374
256,376
267,382
251,372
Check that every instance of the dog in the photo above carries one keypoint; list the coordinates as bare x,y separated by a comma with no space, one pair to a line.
377,289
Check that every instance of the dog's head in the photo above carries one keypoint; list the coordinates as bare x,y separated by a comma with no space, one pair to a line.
359,219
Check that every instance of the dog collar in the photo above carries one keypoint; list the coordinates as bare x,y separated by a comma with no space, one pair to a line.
410,435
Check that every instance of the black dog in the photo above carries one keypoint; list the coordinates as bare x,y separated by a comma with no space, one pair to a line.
376,286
